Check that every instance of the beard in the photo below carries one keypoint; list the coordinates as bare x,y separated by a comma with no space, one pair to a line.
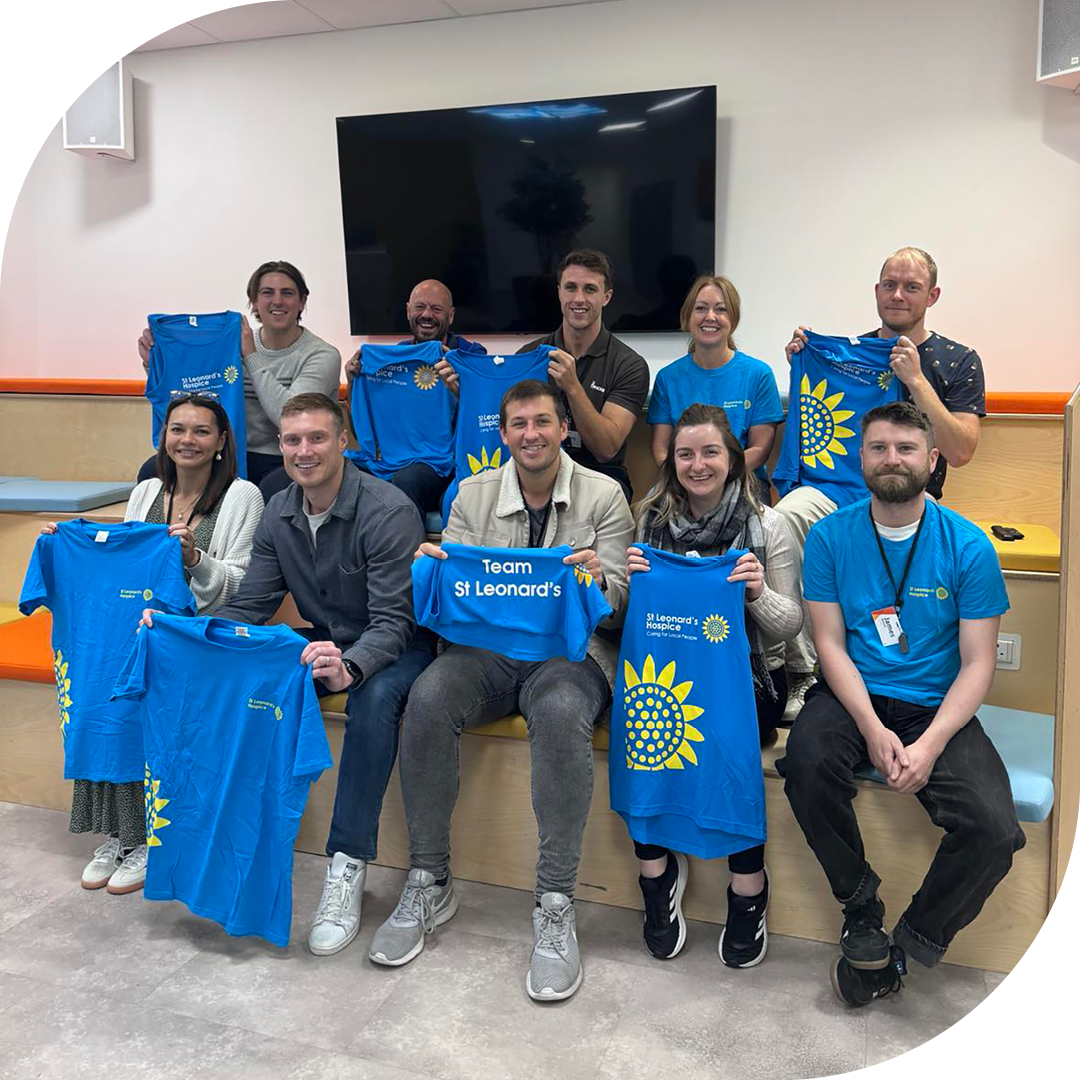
428,334
897,487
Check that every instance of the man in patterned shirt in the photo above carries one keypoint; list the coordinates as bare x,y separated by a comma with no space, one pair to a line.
942,377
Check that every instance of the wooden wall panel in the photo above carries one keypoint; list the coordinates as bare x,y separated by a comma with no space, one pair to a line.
1067,732
69,437
1033,614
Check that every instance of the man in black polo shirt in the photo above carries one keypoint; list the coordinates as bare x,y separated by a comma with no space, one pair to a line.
604,381
942,377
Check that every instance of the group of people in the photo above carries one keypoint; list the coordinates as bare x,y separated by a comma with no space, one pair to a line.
877,621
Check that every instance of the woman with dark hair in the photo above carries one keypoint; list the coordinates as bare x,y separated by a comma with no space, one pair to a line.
214,514
280,358
716,372
704,502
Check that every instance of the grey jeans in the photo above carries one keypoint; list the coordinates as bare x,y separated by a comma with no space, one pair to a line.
465,687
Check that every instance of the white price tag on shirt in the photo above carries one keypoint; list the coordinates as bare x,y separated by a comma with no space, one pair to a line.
101,537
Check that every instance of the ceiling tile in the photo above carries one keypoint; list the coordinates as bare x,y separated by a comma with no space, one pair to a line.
250,21
350,14
177,38
486,7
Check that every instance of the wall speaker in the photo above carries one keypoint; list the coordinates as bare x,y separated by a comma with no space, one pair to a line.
99,124
1059,43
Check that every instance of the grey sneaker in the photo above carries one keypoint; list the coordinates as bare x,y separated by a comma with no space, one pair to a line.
337,918
423,906
100,868
801,681
555,969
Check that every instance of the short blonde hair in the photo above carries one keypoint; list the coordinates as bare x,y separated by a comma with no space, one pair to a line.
731,299
913,254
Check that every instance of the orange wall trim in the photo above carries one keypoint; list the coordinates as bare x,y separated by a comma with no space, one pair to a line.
101,387
1029,403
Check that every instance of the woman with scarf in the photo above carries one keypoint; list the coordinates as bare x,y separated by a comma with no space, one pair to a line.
705,502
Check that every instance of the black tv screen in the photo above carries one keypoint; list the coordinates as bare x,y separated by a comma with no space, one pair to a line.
489,199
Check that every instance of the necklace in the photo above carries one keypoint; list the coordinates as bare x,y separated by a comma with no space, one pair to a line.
189,508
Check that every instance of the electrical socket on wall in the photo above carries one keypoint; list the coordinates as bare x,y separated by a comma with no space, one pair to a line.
1008,652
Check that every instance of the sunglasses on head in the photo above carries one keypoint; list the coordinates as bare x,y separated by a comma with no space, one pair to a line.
181,397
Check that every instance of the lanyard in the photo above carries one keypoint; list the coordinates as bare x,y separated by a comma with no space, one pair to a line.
897,589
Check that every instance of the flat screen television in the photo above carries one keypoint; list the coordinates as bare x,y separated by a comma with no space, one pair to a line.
489,199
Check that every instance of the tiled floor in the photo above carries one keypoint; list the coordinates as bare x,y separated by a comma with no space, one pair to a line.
96,985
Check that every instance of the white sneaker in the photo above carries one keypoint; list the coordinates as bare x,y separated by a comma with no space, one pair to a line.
130,874
100,868
337,918
801,681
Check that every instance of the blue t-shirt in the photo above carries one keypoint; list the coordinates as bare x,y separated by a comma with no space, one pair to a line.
483,380
954,575
402,412
744,388
234,738
685,758
198,354
525,603
96,579
834,382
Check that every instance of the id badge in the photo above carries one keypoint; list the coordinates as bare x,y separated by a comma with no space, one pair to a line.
887,623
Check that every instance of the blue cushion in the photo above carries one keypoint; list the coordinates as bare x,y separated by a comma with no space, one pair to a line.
8,479
1025,741
433,522
62,496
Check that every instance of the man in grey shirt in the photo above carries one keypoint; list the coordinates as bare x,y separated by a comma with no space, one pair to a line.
281,359
342,543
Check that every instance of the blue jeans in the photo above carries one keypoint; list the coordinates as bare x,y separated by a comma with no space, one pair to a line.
967,795
370,746
561,701
421,483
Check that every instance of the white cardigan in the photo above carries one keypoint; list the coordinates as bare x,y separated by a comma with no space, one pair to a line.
217,574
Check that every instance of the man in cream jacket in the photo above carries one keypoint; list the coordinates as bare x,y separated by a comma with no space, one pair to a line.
541,498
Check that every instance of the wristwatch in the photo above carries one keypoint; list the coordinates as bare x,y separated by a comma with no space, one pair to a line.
354,671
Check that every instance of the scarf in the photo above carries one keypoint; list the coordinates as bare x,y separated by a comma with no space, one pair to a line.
732,524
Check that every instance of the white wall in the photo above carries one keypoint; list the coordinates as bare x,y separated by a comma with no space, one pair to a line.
855,127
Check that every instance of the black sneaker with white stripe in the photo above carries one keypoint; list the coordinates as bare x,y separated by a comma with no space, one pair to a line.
665,927
744,939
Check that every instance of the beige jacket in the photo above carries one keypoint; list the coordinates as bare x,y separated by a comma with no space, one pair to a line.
588,510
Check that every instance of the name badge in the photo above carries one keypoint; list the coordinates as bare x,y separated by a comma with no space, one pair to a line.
887,622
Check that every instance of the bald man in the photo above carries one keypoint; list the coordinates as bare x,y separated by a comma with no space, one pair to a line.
430,311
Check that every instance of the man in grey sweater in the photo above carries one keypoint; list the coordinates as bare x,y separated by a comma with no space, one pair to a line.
342,543
281,359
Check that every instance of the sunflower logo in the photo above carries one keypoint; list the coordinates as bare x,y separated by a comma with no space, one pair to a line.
63,690
154,806
485,462
715,628
582,577
231,374
942,593
277,712
148,594
820,424
884,380
659,728
426,377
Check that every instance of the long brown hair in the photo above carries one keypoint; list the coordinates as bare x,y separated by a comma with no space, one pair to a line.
731,300
667,499
222,473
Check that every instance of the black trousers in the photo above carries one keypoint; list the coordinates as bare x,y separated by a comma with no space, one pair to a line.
967,795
